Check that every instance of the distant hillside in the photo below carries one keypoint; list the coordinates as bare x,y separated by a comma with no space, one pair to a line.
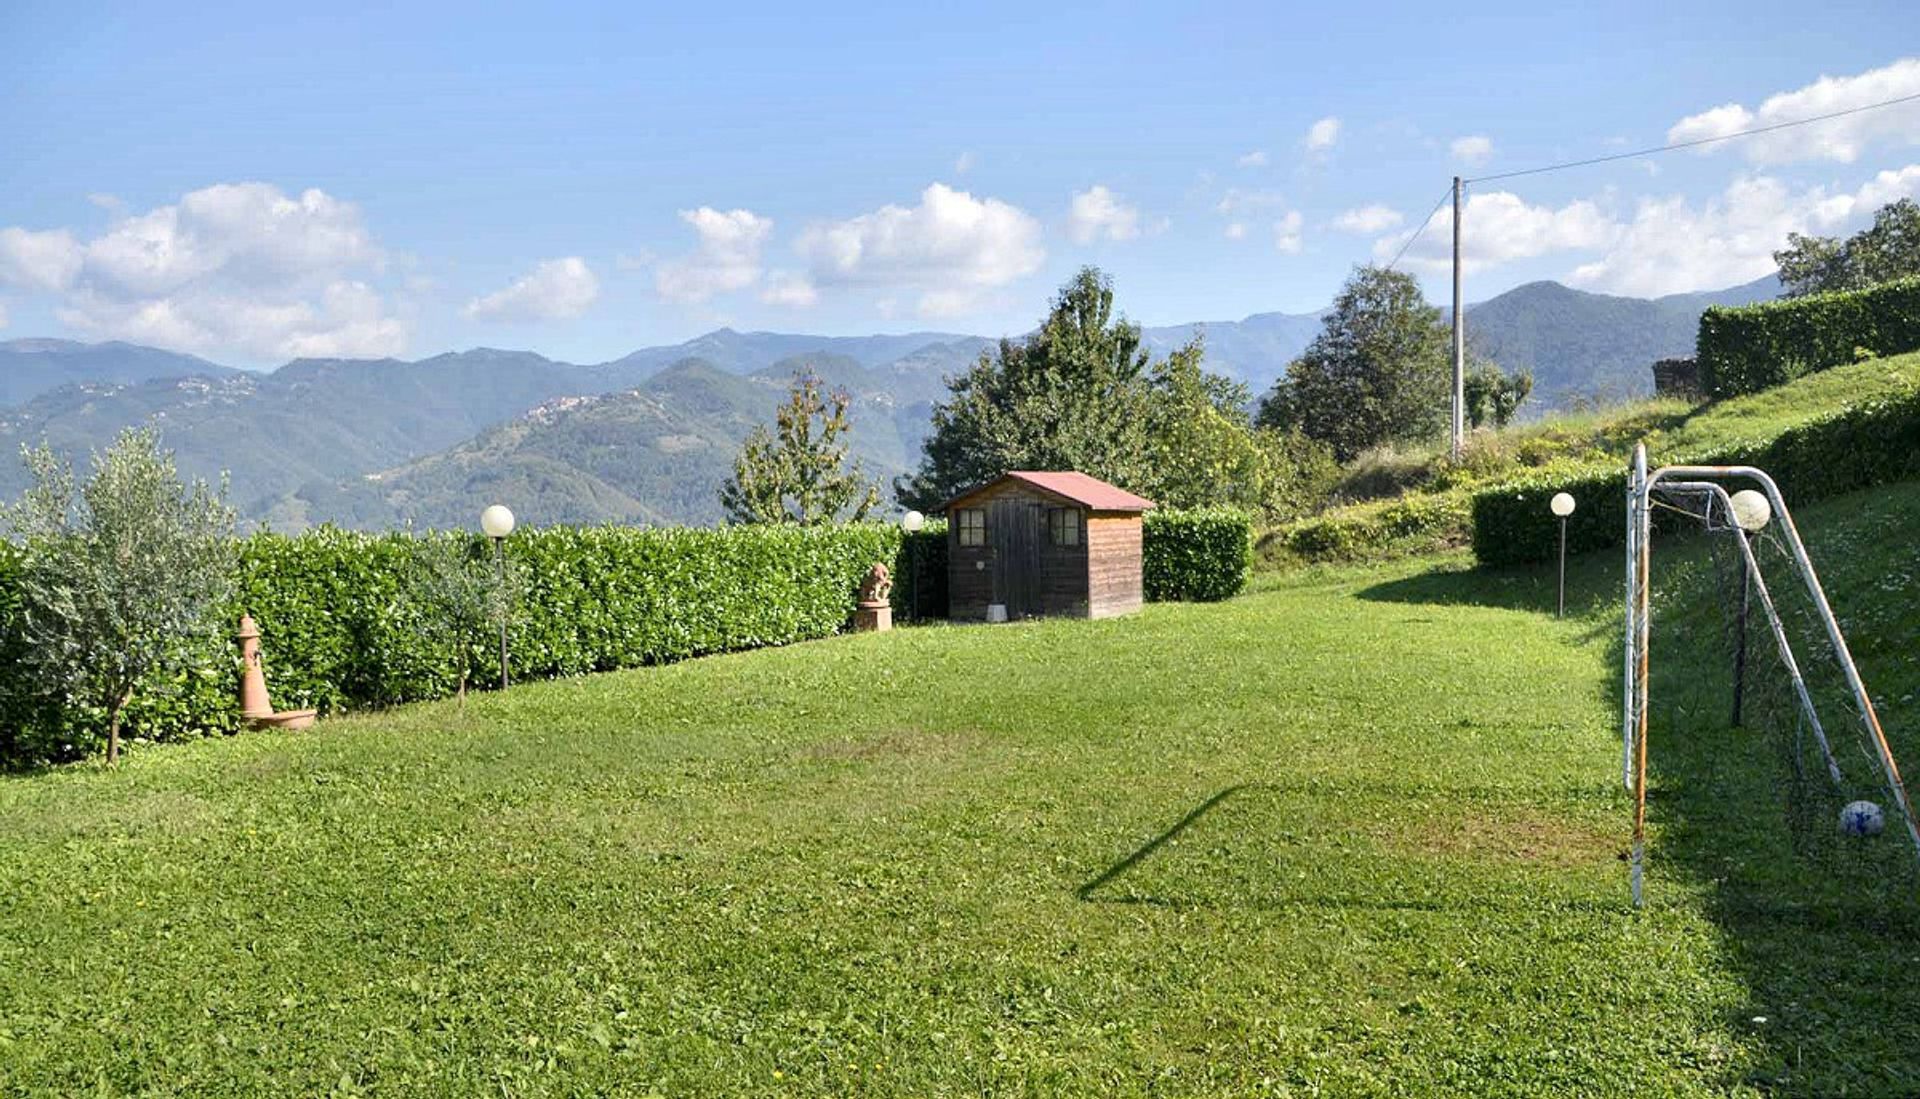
29,368
1255,350
746,352
378,442
1583,345
656,453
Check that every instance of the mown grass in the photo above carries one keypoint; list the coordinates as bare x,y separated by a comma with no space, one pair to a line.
1356,832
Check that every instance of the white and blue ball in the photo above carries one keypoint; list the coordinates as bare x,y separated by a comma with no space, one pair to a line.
1862,818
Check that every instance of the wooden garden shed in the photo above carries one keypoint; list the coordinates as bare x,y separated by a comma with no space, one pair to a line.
1044,544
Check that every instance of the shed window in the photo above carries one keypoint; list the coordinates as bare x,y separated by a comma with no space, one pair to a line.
972,525
1063,526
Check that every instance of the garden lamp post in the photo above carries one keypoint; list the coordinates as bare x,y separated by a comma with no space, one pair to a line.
1562,506
497,522
1751,512
912,522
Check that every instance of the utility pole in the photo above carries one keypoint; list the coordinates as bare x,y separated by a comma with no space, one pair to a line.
1459,336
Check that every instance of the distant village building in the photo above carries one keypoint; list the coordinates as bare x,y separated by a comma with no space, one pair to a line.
1040,544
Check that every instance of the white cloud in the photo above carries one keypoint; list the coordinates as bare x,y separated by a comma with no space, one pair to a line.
789,288
39,261
3,314
1471,149
1322,134
1239,201
1286,232
964,163
1368,219
1500,227
1672,247
727,259
232,269
1235,230
1098,212
951,246
556,289
1838,139
1254,159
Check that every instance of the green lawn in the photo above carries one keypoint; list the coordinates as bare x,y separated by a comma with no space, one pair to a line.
1353,833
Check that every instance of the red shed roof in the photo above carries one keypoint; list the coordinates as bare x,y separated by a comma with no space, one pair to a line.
1089,492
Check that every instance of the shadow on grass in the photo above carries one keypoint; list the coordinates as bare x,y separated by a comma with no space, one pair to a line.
1332,851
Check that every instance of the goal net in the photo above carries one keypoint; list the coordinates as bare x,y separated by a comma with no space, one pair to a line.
1738,673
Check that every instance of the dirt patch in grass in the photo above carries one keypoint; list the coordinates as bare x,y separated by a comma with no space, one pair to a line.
155,812
1532,836
890,744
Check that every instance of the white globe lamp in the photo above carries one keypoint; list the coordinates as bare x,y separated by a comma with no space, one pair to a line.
1751,510
912,522
497,521
1561,504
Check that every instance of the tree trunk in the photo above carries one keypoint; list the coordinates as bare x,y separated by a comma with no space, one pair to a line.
463,690
113,726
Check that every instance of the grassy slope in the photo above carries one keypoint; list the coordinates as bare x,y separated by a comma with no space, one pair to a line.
1422,478
1355,832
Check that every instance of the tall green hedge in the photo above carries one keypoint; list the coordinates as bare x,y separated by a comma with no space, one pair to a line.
1871,443
1748,348
1201,555
341,633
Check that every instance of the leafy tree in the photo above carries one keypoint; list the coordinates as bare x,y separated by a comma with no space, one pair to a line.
463,595
798,473
1492,397
1084,393
1205,449
1886,250
1073,395
1377,372
119,573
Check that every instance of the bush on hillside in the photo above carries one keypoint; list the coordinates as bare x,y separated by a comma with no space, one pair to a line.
1202,555
1416,523
1871,443
1748,348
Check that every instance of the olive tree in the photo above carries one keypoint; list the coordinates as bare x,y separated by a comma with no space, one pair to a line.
462,595
116,572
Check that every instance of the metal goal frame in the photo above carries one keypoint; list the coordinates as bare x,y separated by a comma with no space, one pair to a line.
1642,485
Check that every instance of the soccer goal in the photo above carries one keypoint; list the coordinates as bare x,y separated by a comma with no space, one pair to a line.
1792,692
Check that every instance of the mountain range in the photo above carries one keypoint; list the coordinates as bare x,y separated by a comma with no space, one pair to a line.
648,437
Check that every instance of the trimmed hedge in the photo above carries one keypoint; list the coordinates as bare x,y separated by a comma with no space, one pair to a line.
1871,443
1200,555
1747,348
341,632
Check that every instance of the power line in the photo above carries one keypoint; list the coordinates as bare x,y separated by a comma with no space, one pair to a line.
1428,220
1696,141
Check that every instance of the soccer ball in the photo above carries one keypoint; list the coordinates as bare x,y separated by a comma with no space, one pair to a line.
1862,818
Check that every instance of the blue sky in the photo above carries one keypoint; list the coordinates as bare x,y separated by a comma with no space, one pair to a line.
251,182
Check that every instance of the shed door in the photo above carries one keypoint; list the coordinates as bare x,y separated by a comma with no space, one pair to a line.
1015,525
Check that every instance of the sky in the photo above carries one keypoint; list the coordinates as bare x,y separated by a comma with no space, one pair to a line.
255,183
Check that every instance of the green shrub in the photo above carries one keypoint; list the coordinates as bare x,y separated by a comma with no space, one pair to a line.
1201,555
1748,348
1415,523
1871,443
